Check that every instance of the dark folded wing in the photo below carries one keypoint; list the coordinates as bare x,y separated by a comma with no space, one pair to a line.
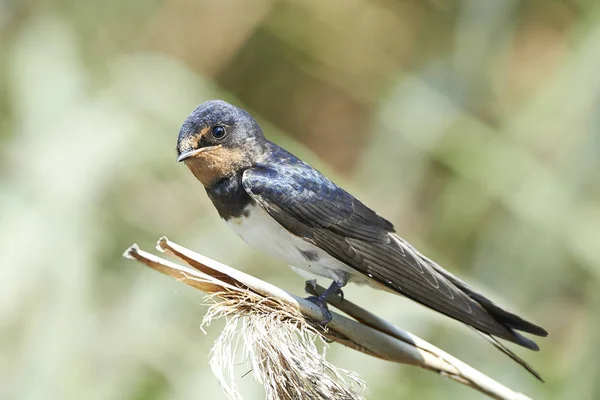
308,205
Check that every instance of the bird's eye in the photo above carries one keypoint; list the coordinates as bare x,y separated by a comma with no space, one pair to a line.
218,131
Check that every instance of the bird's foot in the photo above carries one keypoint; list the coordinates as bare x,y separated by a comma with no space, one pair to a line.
321,300
322,304
310,287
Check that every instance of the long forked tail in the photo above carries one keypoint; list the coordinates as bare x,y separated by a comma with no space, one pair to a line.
512,322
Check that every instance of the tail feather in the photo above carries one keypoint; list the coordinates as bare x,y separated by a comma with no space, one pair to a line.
504,317
508,320
512,355
524,341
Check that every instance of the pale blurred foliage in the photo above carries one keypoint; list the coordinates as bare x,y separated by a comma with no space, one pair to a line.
472,126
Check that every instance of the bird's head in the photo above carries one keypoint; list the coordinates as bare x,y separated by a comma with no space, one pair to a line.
218,139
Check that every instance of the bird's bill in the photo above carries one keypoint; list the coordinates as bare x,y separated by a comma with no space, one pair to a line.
194,153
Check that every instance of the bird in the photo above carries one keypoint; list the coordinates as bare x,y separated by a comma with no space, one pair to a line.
284,207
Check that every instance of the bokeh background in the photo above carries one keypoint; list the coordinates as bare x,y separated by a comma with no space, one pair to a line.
473,125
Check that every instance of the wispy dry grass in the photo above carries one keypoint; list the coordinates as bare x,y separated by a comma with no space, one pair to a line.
280,346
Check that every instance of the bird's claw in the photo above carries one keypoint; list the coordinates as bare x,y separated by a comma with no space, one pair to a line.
310,287
340,293
322,304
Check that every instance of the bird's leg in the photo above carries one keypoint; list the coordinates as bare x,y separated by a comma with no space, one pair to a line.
310,287
321,300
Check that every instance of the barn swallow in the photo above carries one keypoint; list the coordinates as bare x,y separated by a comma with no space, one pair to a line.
289,210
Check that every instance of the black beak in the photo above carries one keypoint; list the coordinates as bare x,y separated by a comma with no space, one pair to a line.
188,154
194,153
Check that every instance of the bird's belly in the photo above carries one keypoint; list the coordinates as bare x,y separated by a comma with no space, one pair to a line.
262,232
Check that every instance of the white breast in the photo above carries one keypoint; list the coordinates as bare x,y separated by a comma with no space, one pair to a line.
261,231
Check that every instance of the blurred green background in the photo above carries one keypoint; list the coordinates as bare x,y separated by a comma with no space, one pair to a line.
473,125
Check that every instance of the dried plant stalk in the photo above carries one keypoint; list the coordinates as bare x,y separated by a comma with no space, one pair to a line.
276,332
